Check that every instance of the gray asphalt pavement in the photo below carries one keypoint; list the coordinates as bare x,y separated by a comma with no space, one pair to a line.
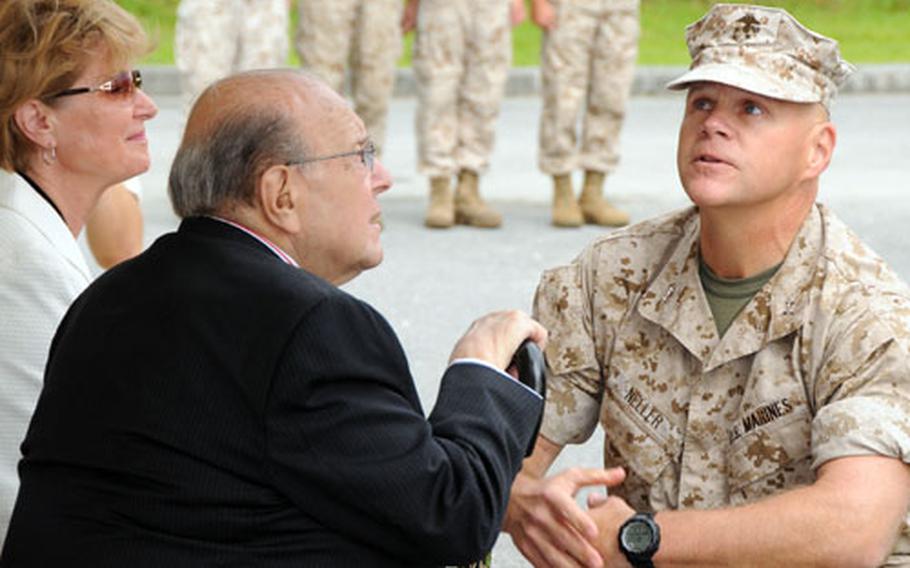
432,284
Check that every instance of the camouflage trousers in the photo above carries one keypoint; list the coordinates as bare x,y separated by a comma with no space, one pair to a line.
589,57
363,35
214,38
462,55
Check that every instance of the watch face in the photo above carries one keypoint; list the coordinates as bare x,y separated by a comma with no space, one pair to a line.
637,537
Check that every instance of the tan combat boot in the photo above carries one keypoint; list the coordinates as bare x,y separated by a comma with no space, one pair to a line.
595,208
441,211
470,209
566,212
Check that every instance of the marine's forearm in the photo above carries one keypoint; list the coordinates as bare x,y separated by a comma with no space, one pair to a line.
849,517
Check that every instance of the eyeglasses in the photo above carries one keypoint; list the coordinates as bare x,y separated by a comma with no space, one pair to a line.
123,83
367,156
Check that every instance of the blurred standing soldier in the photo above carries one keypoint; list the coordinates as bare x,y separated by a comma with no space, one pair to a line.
588,55
214,38
365,34
462,55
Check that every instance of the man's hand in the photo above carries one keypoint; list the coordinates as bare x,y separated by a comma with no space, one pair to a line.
548,526
517,12
409,16
543,14
495,337
609,513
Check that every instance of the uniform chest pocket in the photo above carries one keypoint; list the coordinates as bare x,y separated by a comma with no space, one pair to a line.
771,458
639,436
635,441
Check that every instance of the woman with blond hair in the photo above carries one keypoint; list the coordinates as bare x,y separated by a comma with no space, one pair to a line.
71,125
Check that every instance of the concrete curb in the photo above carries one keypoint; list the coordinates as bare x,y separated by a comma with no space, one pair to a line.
163,80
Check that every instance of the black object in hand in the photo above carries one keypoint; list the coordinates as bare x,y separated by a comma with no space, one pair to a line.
531,367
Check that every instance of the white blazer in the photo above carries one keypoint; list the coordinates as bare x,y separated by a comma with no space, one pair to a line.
42,271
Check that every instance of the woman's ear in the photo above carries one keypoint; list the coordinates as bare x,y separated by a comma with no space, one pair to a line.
280,198
35,120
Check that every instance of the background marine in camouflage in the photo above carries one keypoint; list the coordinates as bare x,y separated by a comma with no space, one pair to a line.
214,38
363,36
587,58
748,358
462,55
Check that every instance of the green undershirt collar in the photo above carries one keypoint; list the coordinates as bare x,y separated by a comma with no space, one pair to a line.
727,297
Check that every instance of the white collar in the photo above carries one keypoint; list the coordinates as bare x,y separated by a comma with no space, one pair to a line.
17,195
276,250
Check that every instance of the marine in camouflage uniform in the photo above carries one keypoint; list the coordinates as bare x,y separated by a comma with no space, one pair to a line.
214,38
462,54
331,34
774,422
587,66
813,369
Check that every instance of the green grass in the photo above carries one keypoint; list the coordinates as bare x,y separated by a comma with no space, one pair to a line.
869,31
158,17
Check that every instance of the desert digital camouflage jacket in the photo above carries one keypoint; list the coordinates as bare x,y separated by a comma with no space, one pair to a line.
815,367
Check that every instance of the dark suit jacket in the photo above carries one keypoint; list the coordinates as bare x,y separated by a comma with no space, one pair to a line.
208,405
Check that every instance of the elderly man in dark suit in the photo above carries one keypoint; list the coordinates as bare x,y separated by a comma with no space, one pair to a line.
219,401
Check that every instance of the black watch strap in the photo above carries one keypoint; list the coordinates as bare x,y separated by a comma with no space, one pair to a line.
640,562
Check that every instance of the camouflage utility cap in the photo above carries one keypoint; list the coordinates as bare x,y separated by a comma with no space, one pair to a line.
764,51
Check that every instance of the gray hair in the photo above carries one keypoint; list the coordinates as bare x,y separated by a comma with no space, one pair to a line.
224,166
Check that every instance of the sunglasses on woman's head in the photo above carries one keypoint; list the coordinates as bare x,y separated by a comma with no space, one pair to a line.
123,83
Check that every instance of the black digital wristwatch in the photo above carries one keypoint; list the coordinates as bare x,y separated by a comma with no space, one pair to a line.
639,538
